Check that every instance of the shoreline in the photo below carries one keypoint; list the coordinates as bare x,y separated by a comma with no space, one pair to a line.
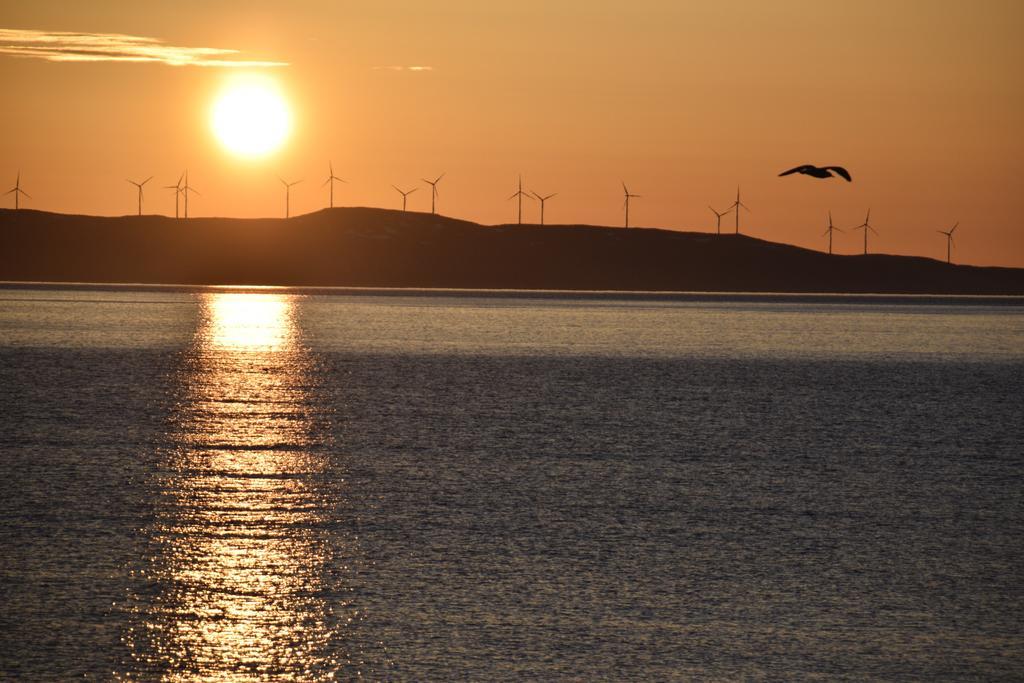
999,300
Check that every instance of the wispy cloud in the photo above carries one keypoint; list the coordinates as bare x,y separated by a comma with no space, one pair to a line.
403,68
61,46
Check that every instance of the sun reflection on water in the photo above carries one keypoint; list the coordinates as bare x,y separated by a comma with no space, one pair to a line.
241,567
256,323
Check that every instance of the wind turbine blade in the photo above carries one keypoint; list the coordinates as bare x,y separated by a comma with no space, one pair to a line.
330,165
24,193
953,229
147,180
624,188
439,178
14,189
397,190
412,190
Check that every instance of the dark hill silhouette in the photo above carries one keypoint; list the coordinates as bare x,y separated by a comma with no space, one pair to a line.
364,247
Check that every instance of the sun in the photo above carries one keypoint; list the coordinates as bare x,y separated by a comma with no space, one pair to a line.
250,117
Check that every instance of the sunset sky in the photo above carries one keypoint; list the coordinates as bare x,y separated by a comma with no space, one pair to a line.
921,100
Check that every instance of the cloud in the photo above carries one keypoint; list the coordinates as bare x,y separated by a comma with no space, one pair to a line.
403,68
62,46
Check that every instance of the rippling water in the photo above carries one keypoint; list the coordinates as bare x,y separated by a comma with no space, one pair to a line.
280,485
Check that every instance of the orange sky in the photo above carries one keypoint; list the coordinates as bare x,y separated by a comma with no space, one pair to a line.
921,100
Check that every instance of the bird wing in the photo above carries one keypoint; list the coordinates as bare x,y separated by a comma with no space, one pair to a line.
841,171
797,169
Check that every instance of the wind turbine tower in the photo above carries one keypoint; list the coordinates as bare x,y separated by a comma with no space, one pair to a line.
177,193
736,206
949,241
865,226
718,217
140,185
628,196
287,195
831,228
433,191
405,194
543,199
17,191
185,189
520,194
330,181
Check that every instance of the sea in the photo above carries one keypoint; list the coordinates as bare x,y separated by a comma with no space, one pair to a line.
260,484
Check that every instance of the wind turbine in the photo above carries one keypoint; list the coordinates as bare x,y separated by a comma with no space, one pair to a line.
185,189
865,226
177,193
542,200
17,191
139,185
625,191
330,181
736,206
433,190
287,195
829,231
718,217
949,240
519,193
405,194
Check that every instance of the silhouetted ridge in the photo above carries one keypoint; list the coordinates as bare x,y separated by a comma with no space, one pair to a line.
364,247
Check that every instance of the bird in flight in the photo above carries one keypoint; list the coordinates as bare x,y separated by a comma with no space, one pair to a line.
816,172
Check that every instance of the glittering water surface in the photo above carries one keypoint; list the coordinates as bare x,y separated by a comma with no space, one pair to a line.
281,485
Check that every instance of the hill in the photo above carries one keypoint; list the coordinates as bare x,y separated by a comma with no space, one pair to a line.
362,247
